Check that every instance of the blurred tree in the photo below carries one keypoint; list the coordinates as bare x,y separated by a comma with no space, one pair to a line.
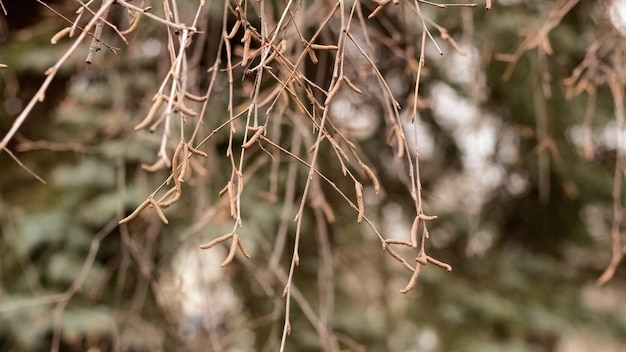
198,123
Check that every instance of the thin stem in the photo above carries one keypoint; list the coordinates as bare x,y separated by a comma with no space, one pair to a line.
50,74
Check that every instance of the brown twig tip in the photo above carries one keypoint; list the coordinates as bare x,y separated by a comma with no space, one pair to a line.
358,188
276,51
247,38
223,190
196,98
395,255
414,230
231,252
255,137
176,160
170,197
60,34
19,162
312,55
135,213
184,168
438,263
148,202
372,176
196,151
216,241
427,217
236,243
180,106
352,86
413,281
233,30
185,110
333,91
158,165
159,211
243,250
381,5
323,47
399,242
395,134
232,198
151,113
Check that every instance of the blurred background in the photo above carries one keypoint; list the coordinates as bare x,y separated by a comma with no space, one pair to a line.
520,135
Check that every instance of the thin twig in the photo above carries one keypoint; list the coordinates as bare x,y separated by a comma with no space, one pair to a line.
97,34
64,299
50,74
17,160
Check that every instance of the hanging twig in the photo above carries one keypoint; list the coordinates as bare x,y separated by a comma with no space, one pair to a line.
97,35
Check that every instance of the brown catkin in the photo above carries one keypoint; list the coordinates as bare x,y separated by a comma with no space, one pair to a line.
255,137
154,167
372,176
231,252
133,24
359,200
333,91
414,228
159,211
150,116
196,98
232,199
413,282
135,213
60,34
234,30
323,47
312,55
216,241
246,47
352,86
243,250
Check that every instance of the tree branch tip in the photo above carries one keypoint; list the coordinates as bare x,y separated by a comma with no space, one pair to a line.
255,137
241,249
216,241
427,217
231,252
59,35
438,263
196,151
